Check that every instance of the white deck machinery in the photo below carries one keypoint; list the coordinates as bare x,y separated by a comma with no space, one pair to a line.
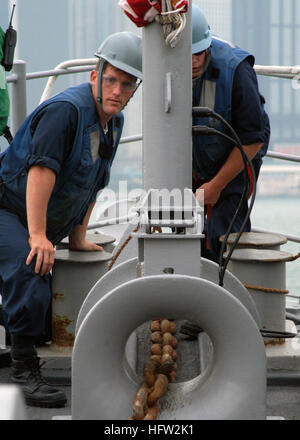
168,278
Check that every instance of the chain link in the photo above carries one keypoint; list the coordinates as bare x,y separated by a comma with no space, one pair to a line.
159,370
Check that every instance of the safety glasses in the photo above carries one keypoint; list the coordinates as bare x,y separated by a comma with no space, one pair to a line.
126,86
199,53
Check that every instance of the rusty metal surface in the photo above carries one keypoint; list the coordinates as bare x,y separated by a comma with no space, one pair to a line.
58,296
278,341
61,336
73,275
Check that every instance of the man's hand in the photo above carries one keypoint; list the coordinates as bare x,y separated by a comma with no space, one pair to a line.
43,249
211,193
40,183
231,168
85,246
77,238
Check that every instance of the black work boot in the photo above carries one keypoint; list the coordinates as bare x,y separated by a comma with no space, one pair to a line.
37,392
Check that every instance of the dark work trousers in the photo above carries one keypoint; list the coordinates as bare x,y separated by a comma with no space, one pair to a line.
25,295
222,213
220,219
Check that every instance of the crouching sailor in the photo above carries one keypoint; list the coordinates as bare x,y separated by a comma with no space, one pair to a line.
224,81
50,176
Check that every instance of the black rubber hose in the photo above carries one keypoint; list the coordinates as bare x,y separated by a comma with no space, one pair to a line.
206,131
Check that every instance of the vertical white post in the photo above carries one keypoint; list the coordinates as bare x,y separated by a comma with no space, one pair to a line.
18,96
167,109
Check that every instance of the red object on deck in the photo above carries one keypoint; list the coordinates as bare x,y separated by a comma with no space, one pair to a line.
143,12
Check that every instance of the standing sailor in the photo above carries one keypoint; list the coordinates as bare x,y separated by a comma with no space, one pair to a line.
224,80
49,179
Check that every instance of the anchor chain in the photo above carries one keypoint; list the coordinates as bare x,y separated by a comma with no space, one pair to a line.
158,371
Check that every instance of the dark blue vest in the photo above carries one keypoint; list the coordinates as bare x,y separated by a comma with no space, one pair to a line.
214,90
82,175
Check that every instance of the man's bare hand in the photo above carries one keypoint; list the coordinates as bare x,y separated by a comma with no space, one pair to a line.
85,246
211,193
44,251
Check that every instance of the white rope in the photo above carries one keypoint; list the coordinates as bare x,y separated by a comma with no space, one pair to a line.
176,11
174,37
172,21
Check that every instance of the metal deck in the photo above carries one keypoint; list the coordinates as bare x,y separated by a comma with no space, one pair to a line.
282,400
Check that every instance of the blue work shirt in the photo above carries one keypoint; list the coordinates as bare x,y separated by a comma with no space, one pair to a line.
53,131
248,121
229,86
60,119
78,152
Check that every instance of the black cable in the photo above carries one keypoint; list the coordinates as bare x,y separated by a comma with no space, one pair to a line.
7,134
222,271
206,112
211,131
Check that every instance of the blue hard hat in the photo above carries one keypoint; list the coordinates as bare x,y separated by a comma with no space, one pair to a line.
123,50
201,33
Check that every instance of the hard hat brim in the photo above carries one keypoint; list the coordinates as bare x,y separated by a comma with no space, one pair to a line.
122,66
202,45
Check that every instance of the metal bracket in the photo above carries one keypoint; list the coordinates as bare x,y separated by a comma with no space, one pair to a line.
170,209
168,92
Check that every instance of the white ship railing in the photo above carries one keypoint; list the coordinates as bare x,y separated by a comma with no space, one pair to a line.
288,72
18,78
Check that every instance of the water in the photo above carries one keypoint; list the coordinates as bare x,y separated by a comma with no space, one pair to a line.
281,214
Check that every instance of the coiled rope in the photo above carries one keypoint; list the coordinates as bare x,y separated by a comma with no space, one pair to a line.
272,289
172,20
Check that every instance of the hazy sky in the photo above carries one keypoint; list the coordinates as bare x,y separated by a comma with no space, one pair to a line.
50,32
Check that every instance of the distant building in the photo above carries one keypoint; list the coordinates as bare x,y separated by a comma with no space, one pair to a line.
271,30
218,14
89,23
52,32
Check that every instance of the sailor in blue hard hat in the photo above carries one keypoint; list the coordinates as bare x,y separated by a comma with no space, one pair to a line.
224,81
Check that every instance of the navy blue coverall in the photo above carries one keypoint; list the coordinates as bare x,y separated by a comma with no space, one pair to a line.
65,135
252,126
